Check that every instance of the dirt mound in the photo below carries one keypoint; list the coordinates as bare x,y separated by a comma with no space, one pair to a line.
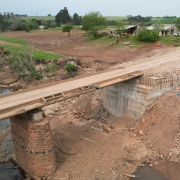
160,128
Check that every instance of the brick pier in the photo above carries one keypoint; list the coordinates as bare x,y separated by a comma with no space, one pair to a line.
33,144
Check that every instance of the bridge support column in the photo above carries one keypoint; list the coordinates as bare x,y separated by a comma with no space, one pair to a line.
33,144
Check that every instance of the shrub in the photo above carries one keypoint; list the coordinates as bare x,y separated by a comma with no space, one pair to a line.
45,27
51,68
53,24
23,64
148,36
70,68
67,28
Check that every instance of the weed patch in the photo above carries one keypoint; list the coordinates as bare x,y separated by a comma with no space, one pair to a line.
171,40
70,68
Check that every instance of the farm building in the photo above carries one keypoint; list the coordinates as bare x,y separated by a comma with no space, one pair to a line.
41,26
130,29
168,29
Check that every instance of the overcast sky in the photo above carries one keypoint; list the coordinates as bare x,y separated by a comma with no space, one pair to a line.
106,7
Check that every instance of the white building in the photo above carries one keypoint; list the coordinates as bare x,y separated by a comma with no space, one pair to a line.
168,29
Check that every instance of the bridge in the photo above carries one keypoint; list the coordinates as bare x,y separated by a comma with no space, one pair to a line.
33,142
23,101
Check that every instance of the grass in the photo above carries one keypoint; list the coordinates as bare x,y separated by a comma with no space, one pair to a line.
171,40
38,54
47,56
102,40
162,21
15,49
13,40
134,41
115,18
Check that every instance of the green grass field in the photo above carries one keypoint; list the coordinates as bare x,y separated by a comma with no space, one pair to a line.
171,40
163,20
25,47
13,40
47,56
115,18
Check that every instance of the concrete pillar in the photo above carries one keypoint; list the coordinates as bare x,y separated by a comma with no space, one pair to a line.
33,144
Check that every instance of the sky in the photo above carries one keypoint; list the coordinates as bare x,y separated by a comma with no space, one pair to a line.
81,7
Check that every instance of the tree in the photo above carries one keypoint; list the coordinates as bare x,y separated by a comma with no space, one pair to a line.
15,25
76,19
138,19
1,22
30,25
120,28
12,14
5,16
63,16
158,26
8,15
178,22
93,22
67,28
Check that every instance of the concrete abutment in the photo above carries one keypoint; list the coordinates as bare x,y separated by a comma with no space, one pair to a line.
130,99
33,144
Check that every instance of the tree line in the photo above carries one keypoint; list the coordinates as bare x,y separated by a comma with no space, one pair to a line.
10,21
138,19
63,17
15,22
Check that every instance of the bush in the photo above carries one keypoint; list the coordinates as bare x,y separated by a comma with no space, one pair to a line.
51,68
148,36
70,68
67,28
23,64
53,24
45,27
